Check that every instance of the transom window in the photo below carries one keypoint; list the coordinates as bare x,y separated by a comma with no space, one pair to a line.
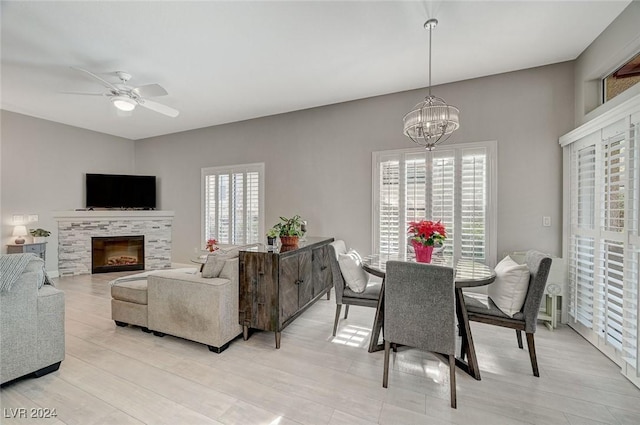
623,78
454,184
233,204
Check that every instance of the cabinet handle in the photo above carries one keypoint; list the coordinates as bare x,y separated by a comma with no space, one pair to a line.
301,281
323,268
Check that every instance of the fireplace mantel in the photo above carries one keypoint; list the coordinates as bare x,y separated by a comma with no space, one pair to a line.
112,214
76,228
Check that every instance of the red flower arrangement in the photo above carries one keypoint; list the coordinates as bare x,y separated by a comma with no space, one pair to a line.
426,232
211,245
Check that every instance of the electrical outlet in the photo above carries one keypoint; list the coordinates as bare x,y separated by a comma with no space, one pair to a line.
546,221
33,218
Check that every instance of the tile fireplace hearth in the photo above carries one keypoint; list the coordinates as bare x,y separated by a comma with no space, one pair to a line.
77,230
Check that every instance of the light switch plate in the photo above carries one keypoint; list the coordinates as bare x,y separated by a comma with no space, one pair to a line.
546,221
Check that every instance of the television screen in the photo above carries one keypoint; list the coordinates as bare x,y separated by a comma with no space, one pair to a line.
120,191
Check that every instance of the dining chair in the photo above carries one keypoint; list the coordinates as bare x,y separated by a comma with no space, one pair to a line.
419,304
485,310
344,295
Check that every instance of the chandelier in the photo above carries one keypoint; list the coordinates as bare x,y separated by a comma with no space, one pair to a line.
431,121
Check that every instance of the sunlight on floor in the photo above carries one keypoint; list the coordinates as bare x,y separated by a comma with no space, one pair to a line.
413,362
353,336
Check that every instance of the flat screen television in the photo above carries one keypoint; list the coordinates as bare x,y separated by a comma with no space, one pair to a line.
120,191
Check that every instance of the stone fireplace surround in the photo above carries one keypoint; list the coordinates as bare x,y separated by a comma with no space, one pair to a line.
75,229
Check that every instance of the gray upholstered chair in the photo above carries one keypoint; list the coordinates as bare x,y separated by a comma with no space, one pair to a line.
526,319
419,311
344,295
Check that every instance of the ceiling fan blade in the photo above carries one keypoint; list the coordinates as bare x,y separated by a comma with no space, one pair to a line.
159,107
82,93
94,76
150,90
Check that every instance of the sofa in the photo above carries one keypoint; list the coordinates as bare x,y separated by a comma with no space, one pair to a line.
31,319
181,303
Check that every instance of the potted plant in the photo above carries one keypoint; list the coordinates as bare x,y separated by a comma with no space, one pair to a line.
272,234
211,245
289,230
425,234
39,235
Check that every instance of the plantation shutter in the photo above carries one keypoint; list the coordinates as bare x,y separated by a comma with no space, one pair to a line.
603,244
252,218
210,210
630,317
448,185
473,201
581,250
232,199
443,193
389,209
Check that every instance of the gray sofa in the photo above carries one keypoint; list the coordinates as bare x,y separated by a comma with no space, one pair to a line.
181,304
31,319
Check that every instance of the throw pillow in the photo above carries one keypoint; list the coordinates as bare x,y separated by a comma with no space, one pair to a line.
354,276
215,261
509,289
214,265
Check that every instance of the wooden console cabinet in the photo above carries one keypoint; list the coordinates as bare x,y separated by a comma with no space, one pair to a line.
277,286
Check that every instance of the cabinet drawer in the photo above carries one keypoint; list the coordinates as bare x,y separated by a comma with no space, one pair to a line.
33,248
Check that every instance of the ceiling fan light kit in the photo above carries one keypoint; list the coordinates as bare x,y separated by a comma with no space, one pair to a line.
431,121
123,103
125,98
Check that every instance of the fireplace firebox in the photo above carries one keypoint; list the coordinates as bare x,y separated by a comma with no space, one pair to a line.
117,254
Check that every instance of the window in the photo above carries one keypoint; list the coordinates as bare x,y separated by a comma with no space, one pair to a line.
453,184
604,245
232,204
623,78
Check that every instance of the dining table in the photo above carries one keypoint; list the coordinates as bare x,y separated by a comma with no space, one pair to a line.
468,274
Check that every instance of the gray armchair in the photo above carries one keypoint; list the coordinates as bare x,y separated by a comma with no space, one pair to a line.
419,305
525,320
344,295
31,319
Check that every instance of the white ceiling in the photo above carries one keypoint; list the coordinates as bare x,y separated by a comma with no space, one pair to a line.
223,62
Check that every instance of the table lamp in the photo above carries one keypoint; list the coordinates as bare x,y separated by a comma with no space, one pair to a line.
19,231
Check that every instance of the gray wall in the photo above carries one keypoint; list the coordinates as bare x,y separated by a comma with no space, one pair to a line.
318,161
42,170
616,45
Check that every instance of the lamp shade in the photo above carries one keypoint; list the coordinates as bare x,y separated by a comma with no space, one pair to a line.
430,121
19,232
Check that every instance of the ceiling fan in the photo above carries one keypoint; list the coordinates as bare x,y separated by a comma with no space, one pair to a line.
125,97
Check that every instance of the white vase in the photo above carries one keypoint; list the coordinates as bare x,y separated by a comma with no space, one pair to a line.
39,239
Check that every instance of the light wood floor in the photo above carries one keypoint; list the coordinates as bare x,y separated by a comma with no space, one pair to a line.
114,375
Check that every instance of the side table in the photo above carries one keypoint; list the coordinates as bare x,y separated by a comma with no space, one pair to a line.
40,249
